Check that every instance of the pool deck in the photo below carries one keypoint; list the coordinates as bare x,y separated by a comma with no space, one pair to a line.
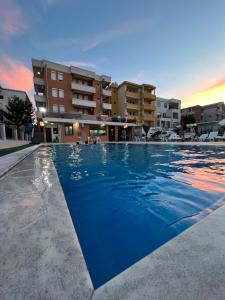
40,255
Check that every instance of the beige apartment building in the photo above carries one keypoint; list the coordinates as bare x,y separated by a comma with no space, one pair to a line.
74,104
134,102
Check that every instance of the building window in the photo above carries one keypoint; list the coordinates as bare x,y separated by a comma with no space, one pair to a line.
53,75
165,105
55,130
60,76
61,93
61,108
175,115
54,92
97,130
68,129
55,108
1,97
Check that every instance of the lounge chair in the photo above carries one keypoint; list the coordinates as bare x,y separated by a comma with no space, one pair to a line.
174,137
220,138
203,137
212,136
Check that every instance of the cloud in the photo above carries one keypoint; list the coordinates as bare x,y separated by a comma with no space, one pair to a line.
45,4
12,19
79,64
212,94
14,74
91,42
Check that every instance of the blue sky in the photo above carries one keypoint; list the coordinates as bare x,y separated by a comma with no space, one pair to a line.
176,45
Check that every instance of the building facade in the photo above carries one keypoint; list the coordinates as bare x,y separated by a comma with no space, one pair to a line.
10,131
74,104
168,113
135,102
207,116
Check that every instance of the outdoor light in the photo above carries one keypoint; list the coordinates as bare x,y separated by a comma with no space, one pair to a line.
42,109
125,126
51,123
42,123
76,124
102,125
46,122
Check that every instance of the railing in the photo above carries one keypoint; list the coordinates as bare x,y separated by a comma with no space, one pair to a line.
133,106
39,98
85,103
83,88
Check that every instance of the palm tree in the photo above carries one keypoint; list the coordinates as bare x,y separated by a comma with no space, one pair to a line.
17,112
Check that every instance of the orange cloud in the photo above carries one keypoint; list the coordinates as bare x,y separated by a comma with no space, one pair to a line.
211,94
15,75
12,19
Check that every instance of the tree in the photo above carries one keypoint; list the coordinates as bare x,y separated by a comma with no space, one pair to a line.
146,128
188,119
17,112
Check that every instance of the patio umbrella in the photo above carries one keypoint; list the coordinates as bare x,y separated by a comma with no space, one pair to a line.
222,122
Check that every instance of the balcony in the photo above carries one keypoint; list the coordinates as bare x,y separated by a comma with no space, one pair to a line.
83,103
38,81
133,106
148,118
107,106
106,93
149,96
133,95
83,88
39,98
149,107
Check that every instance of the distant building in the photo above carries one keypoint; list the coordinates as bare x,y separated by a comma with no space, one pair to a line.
206,116
9,131
168,113
74,104
136,102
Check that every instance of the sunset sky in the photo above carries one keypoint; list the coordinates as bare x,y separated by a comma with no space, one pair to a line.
177,45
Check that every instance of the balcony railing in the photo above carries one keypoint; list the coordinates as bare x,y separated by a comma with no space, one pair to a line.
149,96
133,106
83,103
39,98
106,93
83,88
149,107
107,106
133,95
148,118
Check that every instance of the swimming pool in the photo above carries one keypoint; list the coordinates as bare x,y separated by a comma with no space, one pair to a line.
126,200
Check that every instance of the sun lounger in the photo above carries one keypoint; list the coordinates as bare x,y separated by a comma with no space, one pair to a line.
220,138
212,136
174,137
203,137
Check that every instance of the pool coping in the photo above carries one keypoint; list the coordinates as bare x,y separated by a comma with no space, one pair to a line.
190,266
9,161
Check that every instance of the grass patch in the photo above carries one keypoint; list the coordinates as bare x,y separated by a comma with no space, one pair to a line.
13,149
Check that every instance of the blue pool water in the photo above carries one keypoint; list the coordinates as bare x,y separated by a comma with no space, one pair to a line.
127,200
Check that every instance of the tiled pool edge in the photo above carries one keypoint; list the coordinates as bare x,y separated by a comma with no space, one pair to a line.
58,270
190,266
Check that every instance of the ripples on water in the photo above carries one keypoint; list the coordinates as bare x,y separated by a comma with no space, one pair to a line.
127,200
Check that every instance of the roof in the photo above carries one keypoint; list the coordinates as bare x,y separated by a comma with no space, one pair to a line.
136,84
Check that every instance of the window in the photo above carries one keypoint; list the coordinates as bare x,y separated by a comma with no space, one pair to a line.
53,75
61,93
61,108
54,92
60,76
1,97
55,130
97,130
55,108
175,115
165,105
68,129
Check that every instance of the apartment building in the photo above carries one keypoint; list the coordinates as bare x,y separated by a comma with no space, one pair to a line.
206,116
6,130
74,103
168,113
134,102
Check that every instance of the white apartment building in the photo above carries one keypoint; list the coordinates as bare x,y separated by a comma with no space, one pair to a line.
168,113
